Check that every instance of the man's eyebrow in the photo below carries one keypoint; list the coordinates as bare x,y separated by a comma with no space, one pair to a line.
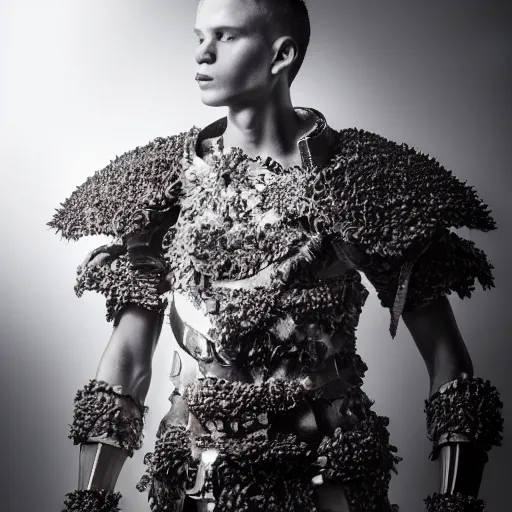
227,28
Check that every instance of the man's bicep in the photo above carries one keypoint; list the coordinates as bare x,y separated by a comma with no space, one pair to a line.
127,359
138,328
435,332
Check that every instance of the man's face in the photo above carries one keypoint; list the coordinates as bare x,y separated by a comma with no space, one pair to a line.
234,50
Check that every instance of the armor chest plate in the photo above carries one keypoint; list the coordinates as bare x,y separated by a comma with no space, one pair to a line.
237,218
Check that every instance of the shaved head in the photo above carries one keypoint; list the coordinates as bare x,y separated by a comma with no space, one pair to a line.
287,17
277,18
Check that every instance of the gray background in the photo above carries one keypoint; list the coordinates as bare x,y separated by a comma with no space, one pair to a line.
83,81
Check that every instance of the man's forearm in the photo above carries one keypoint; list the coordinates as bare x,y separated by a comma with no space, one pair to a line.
126,366
461,462
127,360
463,412
464,421
109,411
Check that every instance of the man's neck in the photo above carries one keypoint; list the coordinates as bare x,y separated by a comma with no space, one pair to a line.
271,129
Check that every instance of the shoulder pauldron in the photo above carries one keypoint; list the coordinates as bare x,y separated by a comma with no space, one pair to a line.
394,207
122,197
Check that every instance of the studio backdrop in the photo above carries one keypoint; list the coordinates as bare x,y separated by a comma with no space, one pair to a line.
84,81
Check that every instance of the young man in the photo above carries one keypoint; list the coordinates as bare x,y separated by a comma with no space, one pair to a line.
258,227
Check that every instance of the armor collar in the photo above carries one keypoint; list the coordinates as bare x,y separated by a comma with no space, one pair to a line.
315,147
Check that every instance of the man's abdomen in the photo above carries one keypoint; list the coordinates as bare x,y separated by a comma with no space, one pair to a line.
280,408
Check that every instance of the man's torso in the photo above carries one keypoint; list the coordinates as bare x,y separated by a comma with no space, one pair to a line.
259,293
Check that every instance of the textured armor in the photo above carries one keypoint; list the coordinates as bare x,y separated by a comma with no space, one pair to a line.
270,258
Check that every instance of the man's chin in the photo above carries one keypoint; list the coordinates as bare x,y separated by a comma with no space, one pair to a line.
209,102
210,99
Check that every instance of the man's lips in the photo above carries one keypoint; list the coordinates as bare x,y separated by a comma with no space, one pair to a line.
203,78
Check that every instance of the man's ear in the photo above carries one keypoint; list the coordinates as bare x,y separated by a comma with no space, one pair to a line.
285,52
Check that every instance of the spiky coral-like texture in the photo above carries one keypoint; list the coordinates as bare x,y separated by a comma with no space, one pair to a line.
257,470
260,473
116,200
457,502
259,452
374,192
237,217
385,196
219,399
245,326
377,192
92,500
274,473
382,196
240,214
121,284
166,472
362,459
449,264
471,407
362,452
101,411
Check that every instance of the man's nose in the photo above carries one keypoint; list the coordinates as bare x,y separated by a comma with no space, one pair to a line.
205,53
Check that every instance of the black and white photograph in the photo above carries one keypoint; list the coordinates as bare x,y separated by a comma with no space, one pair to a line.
256,255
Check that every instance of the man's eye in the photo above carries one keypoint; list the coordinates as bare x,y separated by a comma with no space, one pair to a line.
226,37
220,36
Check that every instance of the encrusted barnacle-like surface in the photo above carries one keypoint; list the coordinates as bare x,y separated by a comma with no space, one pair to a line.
117,200
121,284
471,407
92,500
362,459
257,470
262,473
362,452
456,502
101,411
386,196
218,399
259,327
259,452
449,264
166,473
239,216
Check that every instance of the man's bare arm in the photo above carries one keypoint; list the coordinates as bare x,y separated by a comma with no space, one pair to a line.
126,362
437,336
127,359
461,458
